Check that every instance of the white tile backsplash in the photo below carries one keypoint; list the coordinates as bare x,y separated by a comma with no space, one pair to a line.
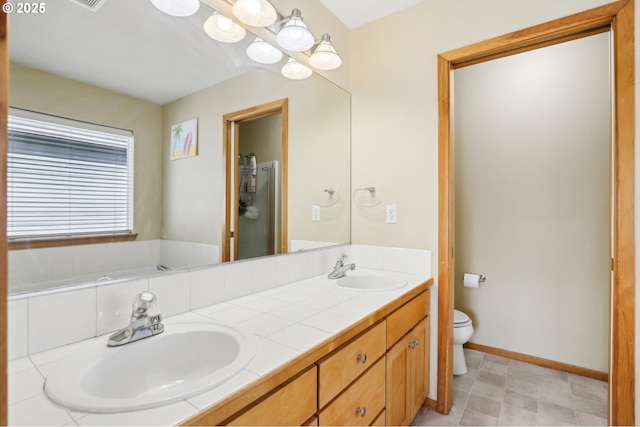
61,318
264,274
114,304
43,322
238,279
173,291
18,321
207,286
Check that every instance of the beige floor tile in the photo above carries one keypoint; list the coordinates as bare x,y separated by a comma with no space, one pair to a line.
511,415
475,418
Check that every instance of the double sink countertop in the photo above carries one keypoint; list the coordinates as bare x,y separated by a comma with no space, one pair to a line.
288,321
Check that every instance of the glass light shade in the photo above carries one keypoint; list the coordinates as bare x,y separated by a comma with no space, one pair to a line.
325,56
294,35
223,29
262,52
257,13
295,70
177,7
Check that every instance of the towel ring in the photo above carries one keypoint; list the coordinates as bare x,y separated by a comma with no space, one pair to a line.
331,192
371,190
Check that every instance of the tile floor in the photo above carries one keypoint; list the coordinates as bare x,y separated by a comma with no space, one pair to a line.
500,391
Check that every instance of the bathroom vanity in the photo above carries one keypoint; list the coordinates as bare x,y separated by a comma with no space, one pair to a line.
324,356
374,372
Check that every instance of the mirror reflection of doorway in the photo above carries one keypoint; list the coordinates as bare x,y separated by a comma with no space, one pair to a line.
256,157
259,162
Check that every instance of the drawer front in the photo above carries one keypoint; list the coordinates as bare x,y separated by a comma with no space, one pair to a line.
380,421
337,371
361,403
291,405
403,319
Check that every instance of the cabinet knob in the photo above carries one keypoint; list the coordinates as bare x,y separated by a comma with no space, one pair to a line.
417,341
361,411
412,344
362,358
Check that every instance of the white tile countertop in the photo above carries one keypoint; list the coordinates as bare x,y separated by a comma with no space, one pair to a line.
287,321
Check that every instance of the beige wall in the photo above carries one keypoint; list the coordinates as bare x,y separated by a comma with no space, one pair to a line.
532,136
319,157
42,92
395,116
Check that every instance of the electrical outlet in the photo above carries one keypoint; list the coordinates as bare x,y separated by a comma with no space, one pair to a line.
315,213
392,214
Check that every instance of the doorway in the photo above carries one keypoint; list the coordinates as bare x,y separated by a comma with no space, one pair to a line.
255,145
532,196
619,18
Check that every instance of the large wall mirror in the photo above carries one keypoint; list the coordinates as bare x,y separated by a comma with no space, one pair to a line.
128,66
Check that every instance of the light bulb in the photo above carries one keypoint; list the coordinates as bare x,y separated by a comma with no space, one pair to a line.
224,23
257,13
223,29
252,6
177,7
295,70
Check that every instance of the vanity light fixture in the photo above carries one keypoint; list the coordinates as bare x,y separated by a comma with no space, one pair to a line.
223,29
262,52
257,13
295,71
325,56
177,7
294,34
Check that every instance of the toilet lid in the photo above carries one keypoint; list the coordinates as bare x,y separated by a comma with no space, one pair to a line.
460,317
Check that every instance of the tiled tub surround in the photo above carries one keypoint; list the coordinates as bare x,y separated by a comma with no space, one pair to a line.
35,269
288,319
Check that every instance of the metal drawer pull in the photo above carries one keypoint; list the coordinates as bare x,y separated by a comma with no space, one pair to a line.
361,411
362,358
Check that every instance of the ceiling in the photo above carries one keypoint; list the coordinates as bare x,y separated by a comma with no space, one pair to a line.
355,13
131,47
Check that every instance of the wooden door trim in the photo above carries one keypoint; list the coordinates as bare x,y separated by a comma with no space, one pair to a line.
619,16
4,106
280,106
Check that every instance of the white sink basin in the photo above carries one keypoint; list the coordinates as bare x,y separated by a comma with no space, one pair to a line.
369,281
185,360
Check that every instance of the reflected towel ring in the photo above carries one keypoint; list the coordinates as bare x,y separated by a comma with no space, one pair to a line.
331,192
371,190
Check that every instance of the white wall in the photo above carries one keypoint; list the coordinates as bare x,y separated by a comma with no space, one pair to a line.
532,157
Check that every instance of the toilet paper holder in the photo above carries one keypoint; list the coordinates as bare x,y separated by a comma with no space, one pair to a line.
480,280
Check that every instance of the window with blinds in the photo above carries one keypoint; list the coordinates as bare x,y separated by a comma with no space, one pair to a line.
67,178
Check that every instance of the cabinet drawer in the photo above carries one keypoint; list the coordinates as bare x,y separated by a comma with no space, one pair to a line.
291,405
338,370
361,403
403,319
380,421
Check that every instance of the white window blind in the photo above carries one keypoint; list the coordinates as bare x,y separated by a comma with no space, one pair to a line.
67,178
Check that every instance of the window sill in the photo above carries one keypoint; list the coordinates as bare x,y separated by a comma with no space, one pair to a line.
69,241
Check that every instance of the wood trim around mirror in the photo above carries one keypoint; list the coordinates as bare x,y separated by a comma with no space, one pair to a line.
621,19
234,119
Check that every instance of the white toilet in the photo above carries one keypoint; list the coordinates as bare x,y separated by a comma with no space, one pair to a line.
462,332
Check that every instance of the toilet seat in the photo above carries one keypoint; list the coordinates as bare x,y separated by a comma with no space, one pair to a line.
460,319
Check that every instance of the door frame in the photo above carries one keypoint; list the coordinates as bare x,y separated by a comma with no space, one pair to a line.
620,19
230,142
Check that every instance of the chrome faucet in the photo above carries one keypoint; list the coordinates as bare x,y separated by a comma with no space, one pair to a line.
340,269
142,325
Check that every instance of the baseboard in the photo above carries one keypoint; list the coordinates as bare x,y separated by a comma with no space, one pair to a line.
591,373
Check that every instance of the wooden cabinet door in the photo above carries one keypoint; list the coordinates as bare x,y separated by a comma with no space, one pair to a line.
419,366
397,385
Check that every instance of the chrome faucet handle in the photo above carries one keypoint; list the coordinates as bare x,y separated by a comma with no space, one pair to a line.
142,303
341,259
